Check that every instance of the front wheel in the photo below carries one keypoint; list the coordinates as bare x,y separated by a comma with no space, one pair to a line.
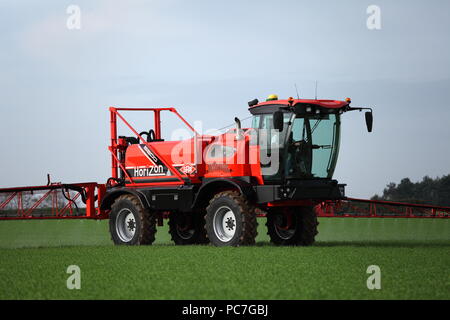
130,223
292,227
230,220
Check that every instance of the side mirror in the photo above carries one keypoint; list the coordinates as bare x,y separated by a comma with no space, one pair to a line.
278,120
369,120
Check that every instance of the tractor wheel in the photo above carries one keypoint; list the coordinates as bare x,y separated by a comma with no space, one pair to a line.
187,228
230,220
291,227
130,223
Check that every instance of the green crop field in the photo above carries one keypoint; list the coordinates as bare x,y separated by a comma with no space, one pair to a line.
413,256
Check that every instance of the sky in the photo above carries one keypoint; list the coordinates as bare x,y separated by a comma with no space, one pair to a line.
208,59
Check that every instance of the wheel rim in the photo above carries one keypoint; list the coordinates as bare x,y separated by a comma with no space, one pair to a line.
125,225
224,224
284,226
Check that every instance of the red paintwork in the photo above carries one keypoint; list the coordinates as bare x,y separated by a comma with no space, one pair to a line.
177,154
234,166
117,148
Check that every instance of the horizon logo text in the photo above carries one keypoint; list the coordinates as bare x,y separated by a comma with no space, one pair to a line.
149,171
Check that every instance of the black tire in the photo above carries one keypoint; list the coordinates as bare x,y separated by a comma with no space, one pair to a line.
292,227
237,228
187,228
127,213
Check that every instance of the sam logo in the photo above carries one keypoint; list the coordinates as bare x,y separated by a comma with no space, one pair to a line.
188,169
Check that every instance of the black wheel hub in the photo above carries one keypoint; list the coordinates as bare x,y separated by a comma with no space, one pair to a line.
131,225
230,224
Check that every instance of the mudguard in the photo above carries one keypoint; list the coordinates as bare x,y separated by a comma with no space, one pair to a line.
211,186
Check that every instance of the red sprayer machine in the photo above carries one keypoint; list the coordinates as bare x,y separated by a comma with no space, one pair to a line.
212,188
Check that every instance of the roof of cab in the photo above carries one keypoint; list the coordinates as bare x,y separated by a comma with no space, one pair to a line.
331,104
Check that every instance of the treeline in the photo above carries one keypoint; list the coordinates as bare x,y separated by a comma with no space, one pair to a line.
428,191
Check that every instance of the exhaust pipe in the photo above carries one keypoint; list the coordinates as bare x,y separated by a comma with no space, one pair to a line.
239,134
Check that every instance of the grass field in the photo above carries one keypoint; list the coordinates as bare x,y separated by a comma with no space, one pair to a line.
413,254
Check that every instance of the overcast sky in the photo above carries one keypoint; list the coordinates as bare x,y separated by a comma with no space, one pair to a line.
207,59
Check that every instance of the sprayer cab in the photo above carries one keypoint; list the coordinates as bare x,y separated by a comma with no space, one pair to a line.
301,137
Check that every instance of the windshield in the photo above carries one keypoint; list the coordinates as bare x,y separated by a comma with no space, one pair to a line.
308,145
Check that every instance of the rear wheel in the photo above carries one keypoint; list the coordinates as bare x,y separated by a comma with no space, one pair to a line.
230,220
130,223
187,228
292,227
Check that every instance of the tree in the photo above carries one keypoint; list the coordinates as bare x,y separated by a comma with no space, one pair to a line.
430,191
